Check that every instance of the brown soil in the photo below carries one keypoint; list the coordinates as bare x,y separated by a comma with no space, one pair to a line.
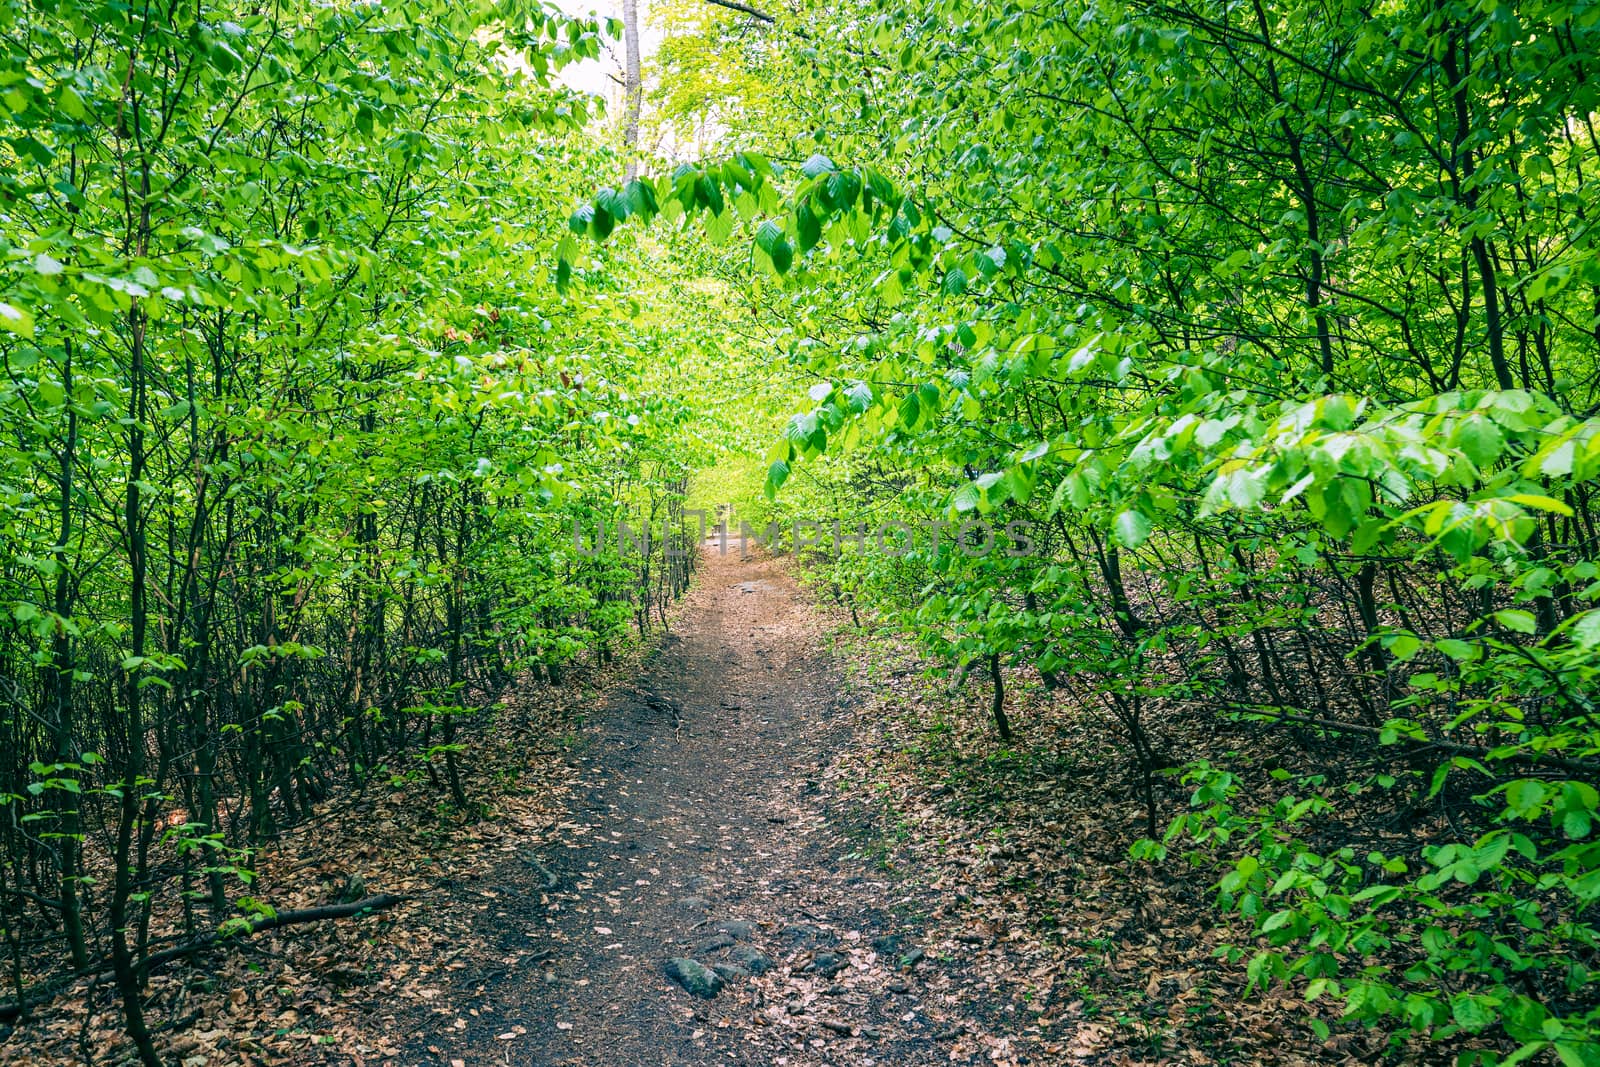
739,777
700,801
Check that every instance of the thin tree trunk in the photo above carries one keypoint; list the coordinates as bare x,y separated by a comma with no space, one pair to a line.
61,678
122,954
632,86
998,707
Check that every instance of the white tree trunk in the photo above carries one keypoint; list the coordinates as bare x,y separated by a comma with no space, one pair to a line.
632,86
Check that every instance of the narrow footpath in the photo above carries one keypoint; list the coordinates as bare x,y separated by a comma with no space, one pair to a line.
703,905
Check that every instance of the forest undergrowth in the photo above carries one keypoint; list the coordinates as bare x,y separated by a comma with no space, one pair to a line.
1109,959
1212,387
362,988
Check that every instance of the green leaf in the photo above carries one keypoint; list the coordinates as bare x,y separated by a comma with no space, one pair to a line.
817,166
641,198
1472,1012
1525,797
840,190
708,193
808,228
1247,487
1403,646
768,234
1572,1054
1540,503
1586,630
1517,621
770,239
910,410
1480,439
1557,462
15,320
1132,528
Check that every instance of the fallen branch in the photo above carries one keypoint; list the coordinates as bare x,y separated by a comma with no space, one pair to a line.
262,923
14,1009
550,879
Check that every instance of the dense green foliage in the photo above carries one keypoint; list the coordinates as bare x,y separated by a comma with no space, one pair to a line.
296,433
1278,322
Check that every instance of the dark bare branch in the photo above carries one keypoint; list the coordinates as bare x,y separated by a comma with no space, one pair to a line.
745,9
12,1009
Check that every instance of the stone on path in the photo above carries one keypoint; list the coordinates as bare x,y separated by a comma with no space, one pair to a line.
803,934
694,976
712,944
751,959
827,964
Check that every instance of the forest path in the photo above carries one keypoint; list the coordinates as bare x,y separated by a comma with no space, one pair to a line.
699,829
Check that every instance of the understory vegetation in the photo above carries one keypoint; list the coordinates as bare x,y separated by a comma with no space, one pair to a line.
1275,325
297,432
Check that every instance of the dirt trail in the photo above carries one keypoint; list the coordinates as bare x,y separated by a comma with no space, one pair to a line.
700,829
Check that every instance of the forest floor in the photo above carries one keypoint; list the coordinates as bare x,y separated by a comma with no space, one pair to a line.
778,796
703,827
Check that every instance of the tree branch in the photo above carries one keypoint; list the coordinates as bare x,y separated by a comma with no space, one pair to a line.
1411,746
734,5
14,1009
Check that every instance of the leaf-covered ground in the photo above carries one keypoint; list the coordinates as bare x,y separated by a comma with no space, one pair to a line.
770,792
346,991
1022,852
